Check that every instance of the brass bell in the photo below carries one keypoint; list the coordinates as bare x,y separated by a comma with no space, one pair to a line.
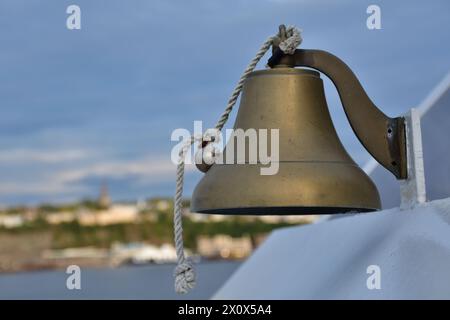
315,173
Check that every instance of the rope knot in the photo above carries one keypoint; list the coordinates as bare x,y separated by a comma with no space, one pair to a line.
288,39
184,277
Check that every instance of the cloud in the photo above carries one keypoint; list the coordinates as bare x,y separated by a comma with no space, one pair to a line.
39,187
42,156
145,168
58,181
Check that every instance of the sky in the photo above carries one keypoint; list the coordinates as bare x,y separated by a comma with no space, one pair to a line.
79,108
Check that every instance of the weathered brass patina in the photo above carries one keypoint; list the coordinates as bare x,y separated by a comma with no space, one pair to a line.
316,175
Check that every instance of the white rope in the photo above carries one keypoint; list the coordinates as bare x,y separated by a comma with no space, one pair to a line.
293,40
184,271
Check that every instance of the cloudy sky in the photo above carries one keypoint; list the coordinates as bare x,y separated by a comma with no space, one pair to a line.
78,107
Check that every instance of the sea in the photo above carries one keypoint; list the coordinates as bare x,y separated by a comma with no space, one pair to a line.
126,282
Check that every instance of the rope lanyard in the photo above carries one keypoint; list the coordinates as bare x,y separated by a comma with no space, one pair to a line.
184,272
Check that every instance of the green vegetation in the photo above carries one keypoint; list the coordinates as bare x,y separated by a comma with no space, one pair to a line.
14,210
74,235
155,226
83,204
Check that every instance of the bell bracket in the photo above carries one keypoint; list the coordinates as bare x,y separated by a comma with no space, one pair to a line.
382,136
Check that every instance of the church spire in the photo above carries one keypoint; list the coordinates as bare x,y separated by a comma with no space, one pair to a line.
104,200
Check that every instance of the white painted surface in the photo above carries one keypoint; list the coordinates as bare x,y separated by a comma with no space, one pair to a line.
430,101
412,189
435,118
329,260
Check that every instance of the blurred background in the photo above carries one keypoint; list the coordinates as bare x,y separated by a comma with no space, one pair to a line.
86,118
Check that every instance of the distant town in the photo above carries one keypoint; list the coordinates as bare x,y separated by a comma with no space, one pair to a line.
100,232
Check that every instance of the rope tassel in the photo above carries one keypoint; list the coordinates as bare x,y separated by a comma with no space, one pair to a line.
288,40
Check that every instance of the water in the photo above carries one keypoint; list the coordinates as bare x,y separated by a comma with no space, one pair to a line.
129,282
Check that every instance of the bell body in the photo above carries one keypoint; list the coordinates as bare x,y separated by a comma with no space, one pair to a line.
315,173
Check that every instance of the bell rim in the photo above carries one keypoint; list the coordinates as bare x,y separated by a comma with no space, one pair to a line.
296,189
286,210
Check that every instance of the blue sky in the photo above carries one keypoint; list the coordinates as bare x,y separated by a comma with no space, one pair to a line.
79,107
